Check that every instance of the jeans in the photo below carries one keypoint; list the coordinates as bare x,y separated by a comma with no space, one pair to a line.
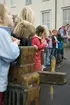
48,56
54,52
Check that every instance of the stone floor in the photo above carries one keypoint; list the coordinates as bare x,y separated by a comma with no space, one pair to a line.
61,93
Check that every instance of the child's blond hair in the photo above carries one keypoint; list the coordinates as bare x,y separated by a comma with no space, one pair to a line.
24,29
46,29
2,12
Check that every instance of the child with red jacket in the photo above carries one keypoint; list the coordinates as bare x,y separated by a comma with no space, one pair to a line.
37,41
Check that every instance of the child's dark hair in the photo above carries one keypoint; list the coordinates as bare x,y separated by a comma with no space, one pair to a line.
40,29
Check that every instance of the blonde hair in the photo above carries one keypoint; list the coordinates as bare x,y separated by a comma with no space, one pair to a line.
24,29
46,29
2,12
26,14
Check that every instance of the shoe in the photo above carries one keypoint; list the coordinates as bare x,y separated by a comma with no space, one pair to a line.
59,65
65,58
43,67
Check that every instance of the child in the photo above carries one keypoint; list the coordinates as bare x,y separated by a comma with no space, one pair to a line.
60,47
64,35
54,42
44,41
9,49
49,49
25,31
36,41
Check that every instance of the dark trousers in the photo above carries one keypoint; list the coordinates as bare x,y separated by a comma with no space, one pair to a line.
1,98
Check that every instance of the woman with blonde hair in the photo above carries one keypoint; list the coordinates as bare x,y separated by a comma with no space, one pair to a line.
26,14
25,25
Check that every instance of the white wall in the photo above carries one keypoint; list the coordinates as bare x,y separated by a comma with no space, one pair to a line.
19,5
38,6
61,4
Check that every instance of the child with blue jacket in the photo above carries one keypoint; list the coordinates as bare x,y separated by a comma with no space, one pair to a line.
9,49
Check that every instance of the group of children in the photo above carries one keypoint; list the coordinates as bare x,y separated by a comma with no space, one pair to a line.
55,47
24,33
48,46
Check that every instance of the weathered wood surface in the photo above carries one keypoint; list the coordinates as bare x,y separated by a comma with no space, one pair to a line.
17,95
56,78
27,55
27,80
16,70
